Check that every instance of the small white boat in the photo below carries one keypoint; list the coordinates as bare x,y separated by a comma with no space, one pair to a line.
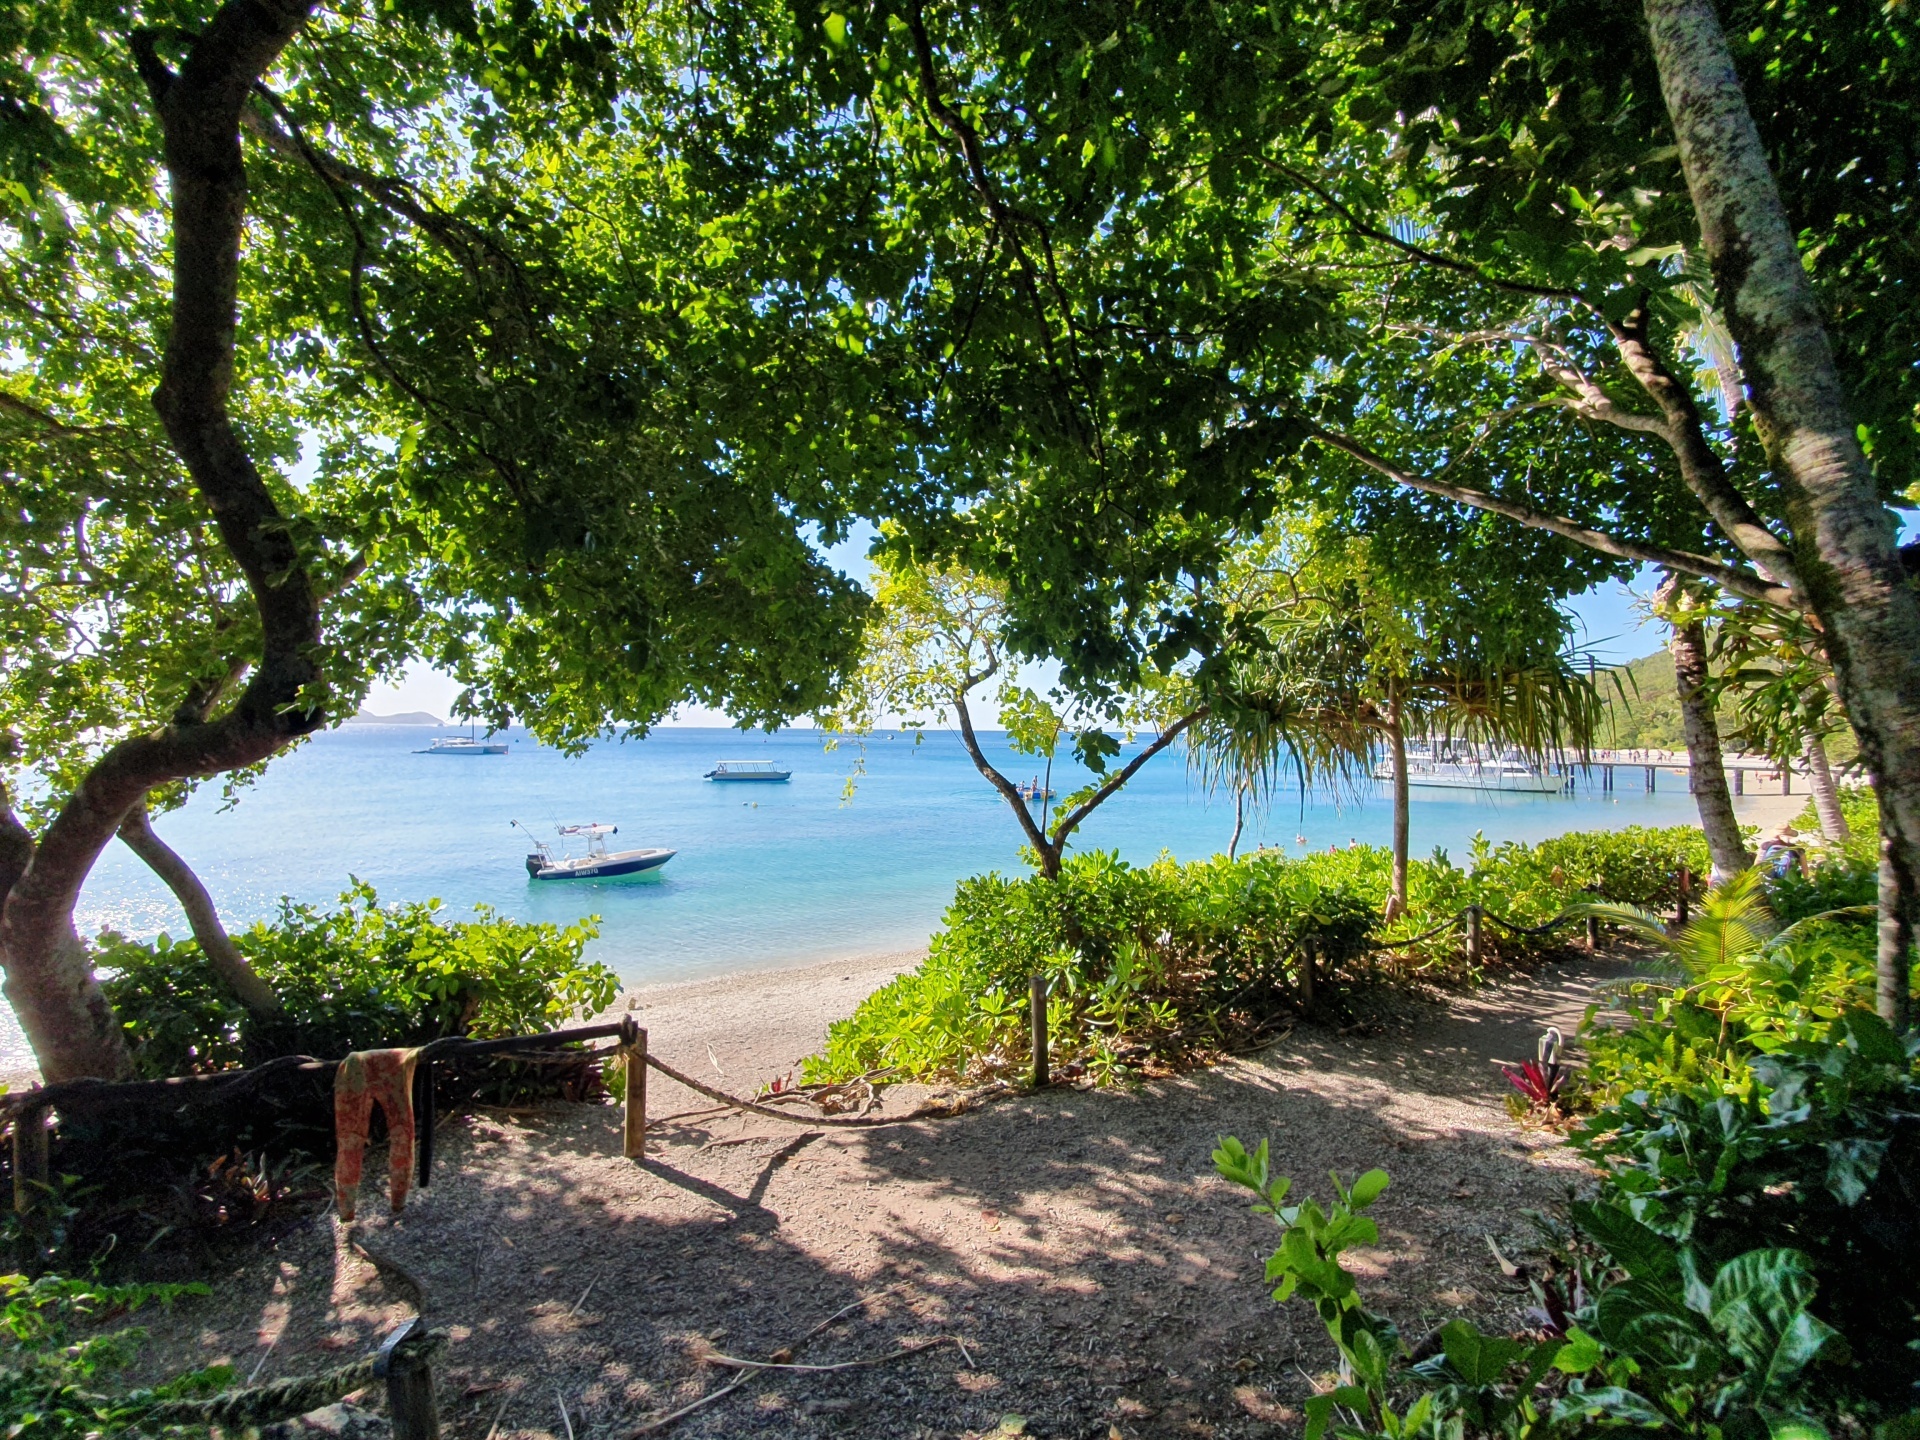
737,770
1441,771
598,863
464,745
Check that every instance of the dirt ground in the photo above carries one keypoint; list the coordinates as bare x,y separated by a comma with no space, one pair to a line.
1071,1252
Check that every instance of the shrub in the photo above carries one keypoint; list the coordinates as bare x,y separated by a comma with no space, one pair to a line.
1167,962
1165,958
1657,1342
1818,1148
352,978
50,1366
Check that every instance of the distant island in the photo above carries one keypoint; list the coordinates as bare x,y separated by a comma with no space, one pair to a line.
409,717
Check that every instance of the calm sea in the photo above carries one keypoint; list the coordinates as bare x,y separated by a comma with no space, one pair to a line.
765,874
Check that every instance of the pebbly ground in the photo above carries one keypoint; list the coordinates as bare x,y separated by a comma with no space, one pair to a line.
1071,1252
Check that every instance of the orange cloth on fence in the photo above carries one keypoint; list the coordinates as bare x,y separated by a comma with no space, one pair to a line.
366,1077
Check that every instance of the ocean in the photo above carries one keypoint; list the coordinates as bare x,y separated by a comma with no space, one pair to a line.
765,875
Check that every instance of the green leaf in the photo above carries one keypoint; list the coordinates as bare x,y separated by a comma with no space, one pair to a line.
1368,1188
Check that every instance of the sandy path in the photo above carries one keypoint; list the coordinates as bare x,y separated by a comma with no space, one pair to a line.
1077,1241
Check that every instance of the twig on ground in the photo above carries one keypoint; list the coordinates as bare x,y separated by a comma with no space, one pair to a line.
498,1416
716,1061
738,1364
394,1271
565,1418
261,1363
583,1297
655,1426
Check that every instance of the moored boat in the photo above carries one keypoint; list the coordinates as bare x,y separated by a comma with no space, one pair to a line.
464,745
748,770
1508,774
599,863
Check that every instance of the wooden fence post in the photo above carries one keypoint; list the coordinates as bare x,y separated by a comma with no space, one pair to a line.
634,1054
1593,934
30,1178
1309,962
1473,934
423,1121
1686,887
1037,1014
410,1402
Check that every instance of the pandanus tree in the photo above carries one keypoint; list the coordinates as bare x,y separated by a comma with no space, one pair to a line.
1346,669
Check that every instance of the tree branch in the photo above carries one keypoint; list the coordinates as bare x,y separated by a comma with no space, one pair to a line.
1069,822
999,782
1743,583
222,954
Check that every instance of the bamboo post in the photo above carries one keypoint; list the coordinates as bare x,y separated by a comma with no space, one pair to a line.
1037,1015
1473,934
410,1403
634,1055
1686,886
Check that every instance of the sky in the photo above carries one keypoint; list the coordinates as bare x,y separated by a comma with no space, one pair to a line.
1611,623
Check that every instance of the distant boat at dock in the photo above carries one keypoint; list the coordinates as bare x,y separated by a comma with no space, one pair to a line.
1440,770
464,745
1033,790
744,770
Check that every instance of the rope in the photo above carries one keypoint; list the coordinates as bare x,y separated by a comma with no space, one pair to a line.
1389,942
849,1122
284,1399
1561,919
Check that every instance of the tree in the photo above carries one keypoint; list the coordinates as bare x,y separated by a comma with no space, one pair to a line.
1349,665
236,230
1681,606
935,637
1463,248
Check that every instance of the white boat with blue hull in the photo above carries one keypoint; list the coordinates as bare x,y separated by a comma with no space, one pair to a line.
599,863
748,770
1445,770
464,745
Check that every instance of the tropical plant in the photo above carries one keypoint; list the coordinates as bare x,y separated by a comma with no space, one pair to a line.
356,977
1337,663
1662,1344
53,1357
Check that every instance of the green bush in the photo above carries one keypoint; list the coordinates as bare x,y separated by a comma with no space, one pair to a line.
1650,1335
1817,1150
1168,962
53,1356
1164,958
357,977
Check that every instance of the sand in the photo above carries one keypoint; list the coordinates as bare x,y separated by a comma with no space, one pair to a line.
1071,1252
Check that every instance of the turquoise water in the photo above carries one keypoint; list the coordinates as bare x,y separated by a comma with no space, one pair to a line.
765,874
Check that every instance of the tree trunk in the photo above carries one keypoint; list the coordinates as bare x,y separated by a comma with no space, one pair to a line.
1826,795
1688,647
1844,537
49,976
1402,812
222,954
1239,819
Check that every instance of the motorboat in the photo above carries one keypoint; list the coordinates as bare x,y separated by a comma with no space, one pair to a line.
464,745
748,770
1444,770
598,863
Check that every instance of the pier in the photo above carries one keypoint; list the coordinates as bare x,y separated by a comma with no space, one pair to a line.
1746,774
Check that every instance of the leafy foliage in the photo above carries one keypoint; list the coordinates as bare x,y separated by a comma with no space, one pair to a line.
352,978
53,1356
1162,963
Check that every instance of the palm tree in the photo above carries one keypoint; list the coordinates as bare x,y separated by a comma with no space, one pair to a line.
1336,676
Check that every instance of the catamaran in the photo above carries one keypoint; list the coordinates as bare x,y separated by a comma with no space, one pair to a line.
598,863
748,770
1444,770
464,745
